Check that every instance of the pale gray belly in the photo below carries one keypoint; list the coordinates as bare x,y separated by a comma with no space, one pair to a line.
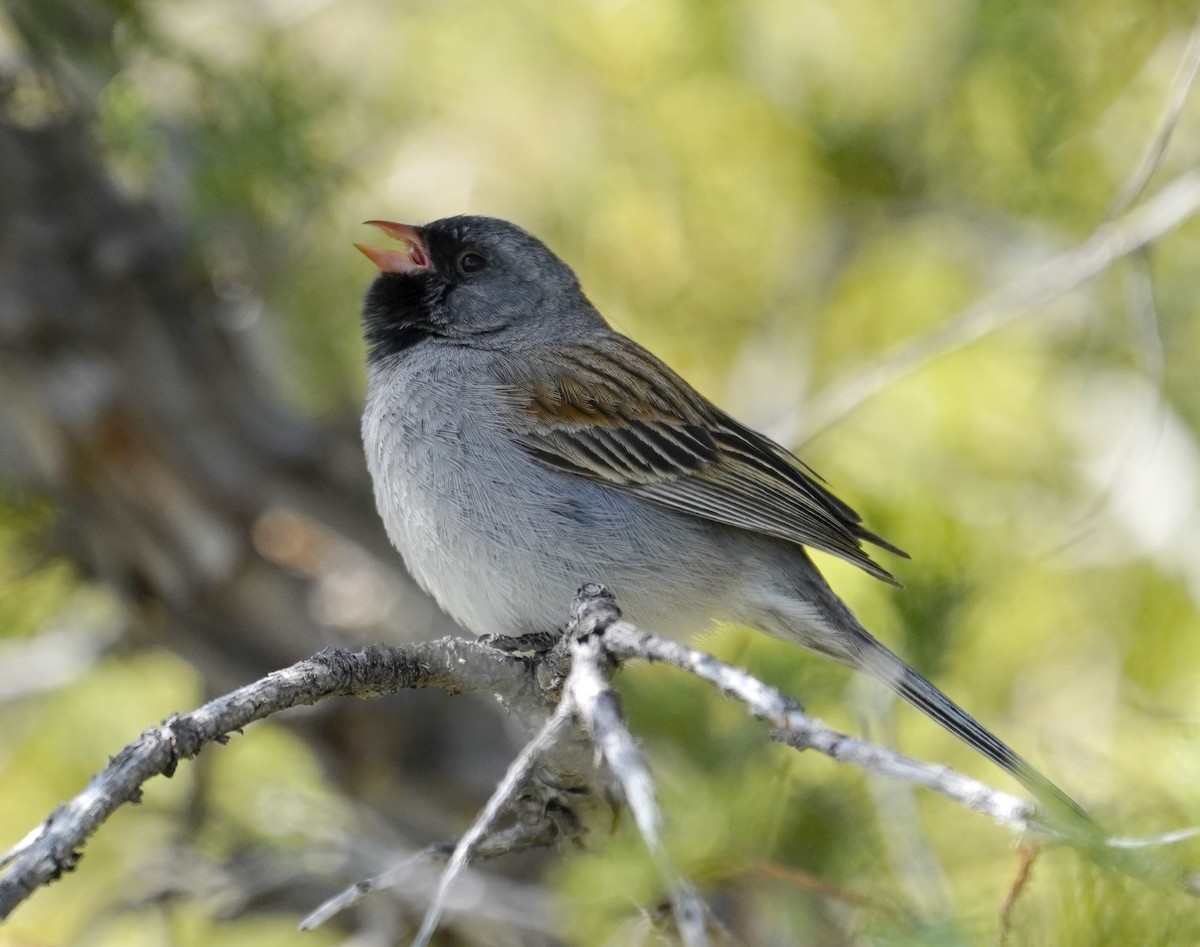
503,543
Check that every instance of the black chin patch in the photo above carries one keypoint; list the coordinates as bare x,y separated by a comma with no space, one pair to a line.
397,312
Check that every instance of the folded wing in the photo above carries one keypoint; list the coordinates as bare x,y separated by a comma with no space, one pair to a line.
617,415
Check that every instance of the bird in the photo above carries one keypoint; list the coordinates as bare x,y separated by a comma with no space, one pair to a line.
519,446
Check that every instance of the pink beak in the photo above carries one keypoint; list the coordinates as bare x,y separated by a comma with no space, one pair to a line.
414,258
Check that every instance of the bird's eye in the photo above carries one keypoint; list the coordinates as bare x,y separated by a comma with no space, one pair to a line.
471,263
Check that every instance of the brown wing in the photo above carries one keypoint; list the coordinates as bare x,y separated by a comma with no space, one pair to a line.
616,415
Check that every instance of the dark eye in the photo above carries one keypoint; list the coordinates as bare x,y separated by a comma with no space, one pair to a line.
471,263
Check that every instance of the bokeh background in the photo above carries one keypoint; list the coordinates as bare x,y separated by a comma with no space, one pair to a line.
770,194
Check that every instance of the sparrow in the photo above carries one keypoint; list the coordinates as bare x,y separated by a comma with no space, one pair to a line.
520,446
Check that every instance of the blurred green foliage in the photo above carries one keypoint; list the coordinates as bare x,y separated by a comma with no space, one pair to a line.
767,193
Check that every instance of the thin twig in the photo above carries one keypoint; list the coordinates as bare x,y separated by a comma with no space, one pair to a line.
1143,316
800,731
1140,304
1113,239
1154,841
796,729
1156,148
827,889
390,878
598,706
1139,437
1029,854
509,841
502,796
915,866
53,848
599,641
1158,216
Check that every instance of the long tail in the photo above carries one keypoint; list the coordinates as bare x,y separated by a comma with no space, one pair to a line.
819,620
827,626
882,664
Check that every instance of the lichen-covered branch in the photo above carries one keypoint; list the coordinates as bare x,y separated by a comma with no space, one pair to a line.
452,664
563,696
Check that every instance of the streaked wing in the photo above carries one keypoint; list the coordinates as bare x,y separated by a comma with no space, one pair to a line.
617,415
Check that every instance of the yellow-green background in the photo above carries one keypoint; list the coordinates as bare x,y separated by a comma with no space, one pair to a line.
770,195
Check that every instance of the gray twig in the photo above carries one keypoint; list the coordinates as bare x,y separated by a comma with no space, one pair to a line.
1117,237
798,730
402,874
1158,216
450,663
593,698
1156,148
505,793
597,641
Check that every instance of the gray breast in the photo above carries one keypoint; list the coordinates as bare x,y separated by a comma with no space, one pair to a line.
502,542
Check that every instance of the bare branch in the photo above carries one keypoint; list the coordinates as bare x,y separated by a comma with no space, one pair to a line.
1148,349
400,875
589,690
564,780
1155,841
505,793
1158,216
798,730
588,696
1156,148
804,733
449,663
1112,240
795,728
1020,881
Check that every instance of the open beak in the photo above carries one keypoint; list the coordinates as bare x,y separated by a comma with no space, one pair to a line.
413,258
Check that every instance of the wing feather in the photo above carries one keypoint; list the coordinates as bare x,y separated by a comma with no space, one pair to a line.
616,415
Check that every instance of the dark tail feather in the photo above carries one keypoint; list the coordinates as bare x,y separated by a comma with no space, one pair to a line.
1065,813
1057,811
846,641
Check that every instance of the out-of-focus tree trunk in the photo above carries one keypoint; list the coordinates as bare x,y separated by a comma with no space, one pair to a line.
129,400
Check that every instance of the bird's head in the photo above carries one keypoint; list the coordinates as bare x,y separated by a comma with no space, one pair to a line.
467,279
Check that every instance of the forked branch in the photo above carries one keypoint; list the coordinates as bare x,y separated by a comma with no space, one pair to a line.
563,694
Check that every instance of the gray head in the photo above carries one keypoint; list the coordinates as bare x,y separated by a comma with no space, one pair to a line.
468,279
